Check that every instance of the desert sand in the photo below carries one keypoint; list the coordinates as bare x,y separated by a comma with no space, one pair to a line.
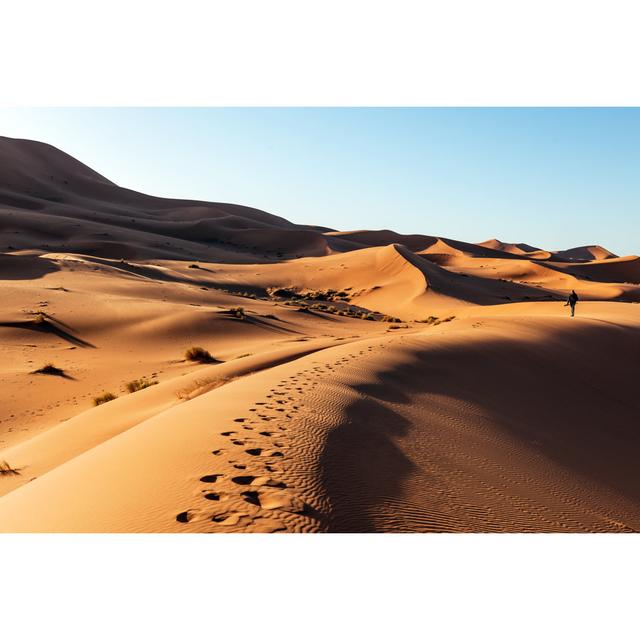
359,381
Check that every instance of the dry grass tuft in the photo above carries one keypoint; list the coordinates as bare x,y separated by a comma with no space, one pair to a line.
105,397
198,354
39,318
200,386
7,470
137,385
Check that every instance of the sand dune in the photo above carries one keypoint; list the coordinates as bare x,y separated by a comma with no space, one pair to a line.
359,380
593,252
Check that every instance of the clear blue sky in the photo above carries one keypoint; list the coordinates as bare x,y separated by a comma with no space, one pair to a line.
554,178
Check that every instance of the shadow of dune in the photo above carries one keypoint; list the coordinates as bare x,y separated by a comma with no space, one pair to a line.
48,326
570,398
259,322
25,267
361,465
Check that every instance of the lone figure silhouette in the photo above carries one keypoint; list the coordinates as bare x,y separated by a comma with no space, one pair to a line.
571,302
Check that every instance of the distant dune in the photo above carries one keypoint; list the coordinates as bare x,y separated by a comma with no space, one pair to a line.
358,380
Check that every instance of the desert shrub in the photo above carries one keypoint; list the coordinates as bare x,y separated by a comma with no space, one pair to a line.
39,318
280,293
50,370
7,470
194,266
198,354
137,385
105,397
435,321
238,312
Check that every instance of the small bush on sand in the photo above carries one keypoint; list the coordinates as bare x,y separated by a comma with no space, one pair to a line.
193,266
435,321
137,385
39,318
105,397
238,312
7,470
198,354
50,370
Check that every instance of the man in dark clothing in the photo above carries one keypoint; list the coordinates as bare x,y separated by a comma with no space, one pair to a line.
571,302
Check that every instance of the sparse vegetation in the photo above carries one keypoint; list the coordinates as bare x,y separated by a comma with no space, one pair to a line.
238,312
39,318
137,385
242,294
194,266
200,386
434,321
105,397
7,470
50,370
198,354
323,295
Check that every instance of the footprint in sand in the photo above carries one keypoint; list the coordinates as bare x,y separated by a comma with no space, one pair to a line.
228,519
252,497
282,500
227,433
254,452
213,477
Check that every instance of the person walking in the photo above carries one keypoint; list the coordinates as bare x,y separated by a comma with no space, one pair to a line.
571,302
